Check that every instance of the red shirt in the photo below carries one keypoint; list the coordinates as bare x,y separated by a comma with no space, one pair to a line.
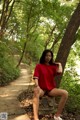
45,74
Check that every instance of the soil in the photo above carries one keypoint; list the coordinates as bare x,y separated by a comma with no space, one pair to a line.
9,102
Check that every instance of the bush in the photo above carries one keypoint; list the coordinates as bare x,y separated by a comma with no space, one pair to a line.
71,84
8,71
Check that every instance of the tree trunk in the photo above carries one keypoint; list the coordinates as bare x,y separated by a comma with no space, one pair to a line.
5,15
49,37
20,60
68,40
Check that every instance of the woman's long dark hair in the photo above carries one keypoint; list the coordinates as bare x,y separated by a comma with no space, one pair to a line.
42,59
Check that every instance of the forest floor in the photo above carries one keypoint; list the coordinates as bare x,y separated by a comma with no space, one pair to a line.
9,102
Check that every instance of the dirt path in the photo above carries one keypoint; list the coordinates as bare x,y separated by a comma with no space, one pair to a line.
8,96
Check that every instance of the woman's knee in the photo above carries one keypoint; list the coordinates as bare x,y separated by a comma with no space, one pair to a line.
65,93
36,92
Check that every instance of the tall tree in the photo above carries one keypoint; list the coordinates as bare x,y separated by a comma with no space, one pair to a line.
7,6
68,39
32,11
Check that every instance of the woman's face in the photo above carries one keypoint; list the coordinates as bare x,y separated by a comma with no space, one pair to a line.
48,57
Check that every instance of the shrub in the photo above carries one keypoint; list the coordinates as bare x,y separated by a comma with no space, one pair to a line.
71,84
8,71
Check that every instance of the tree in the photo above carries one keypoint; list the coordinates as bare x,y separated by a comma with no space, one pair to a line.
32,11
68,39
7,6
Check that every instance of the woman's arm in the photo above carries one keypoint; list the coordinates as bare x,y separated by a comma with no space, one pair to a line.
36,82
59,70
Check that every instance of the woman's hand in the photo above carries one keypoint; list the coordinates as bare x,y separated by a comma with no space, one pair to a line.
58,63
36,86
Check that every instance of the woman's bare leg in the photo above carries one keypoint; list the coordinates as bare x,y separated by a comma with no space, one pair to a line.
64,96
37,93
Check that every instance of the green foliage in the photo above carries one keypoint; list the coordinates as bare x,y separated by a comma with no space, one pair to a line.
35,48
72,85
25,24
71,79
8,72
31,21
59,13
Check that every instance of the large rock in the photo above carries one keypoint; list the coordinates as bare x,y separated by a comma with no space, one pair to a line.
46,104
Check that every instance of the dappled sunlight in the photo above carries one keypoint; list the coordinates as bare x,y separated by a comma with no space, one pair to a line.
5,95
24,77
22,117
26,102
23,71
8,94
24,84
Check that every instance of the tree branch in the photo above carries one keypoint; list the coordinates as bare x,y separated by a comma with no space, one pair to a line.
55,40
10,11
49,37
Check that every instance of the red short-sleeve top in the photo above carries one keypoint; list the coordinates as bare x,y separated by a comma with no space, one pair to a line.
45,75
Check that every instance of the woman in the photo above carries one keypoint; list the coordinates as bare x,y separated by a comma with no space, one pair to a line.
44,74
